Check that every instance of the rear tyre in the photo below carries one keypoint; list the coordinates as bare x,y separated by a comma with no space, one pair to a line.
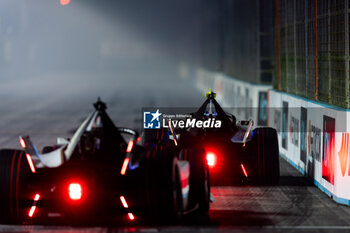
266,147
167,196
199,179
13,170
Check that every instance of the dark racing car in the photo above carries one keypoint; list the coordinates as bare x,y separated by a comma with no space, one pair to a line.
102,171
236,153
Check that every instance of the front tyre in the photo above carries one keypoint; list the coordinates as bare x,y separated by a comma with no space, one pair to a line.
167,196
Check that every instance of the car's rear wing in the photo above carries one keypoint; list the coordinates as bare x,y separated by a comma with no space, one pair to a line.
36,160
60,155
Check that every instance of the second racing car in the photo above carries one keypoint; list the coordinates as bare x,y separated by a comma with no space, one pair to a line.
236,152
103,170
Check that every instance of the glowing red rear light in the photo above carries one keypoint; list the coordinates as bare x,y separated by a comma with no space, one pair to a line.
130,146
211,159
31,211
30,162
125,166
33,208
75,191
23,144
131,216
36,198
125,204
244,171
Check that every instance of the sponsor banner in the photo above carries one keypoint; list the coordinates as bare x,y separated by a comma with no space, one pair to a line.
317,140
303,134
284,125
328,149
342,161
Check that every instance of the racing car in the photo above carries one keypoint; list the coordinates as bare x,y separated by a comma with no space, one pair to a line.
236,152
103,170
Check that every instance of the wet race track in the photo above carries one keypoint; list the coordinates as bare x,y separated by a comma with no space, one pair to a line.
56,109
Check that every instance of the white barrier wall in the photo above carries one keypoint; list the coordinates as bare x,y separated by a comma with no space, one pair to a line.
313,137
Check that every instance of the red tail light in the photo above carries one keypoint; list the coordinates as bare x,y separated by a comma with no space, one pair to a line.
75,191
211,159
244,171
30,162
125,166
125,204
37,197
31,211
131,216
33,208
23,144
130,146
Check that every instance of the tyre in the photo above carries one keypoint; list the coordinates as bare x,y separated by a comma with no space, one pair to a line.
13,169
199,179
167,196
267,156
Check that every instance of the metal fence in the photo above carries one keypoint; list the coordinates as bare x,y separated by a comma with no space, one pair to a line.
314,49
238,39
301,46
